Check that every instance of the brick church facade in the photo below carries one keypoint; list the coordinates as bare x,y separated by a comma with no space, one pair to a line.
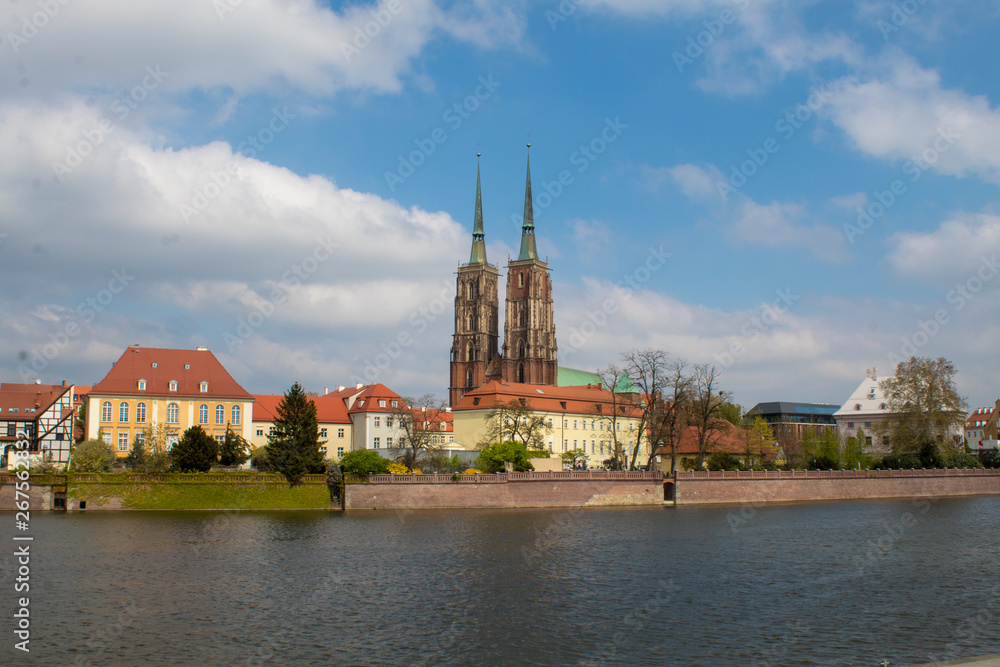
528,354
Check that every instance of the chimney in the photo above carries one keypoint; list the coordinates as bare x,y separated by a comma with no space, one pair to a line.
201,348
64,383
341,388
359,386
326,390
38,381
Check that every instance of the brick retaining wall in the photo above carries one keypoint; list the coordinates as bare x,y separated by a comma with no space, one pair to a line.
704,487
545,489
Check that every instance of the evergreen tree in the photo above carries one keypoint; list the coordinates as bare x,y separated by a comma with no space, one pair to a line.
195,451
235,450
136,459
293,447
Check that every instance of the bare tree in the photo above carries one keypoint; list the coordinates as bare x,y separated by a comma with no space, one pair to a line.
668,417
418,423
647,369
516,421
706,402
611,377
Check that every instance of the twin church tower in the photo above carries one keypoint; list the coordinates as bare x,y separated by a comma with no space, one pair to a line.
528,354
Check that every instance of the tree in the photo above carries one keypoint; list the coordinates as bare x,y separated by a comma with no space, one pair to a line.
235,450
93,456
80,423
363,462
648,370
495,457
156,438
758,440
196,451
136,459
732,413
669,416
513,421
293,446
419,424
611,377
822,450
923,405
705,405
575,458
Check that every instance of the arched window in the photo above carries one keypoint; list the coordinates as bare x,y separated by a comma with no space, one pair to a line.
235,415
520,349
123,412
173,411
524,317
220,415
468,378
140,413
106,411
468,286
520,278
520,372
203,413
469,353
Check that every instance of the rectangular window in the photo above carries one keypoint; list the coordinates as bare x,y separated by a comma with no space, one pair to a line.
388,443
601,427
260,431
868,441
11,429
574,423
220,439
395,404
565,423
550,422
375,442
322,433
575,446
340,433
323,449
381,403
565,445
850,424
451,438
868,424
340,452
388,422
123,441
376,422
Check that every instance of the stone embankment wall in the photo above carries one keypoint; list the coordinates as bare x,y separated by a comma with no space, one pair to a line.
704,487
525,489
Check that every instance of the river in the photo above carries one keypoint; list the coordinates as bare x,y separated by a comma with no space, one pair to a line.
849,583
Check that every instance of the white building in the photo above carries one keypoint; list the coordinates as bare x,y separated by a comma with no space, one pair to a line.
865,409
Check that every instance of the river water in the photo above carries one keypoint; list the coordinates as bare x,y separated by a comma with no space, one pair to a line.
850,583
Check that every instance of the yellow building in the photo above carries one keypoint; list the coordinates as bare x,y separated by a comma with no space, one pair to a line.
177,389
584,417
335,427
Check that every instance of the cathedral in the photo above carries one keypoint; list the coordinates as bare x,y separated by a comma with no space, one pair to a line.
528,354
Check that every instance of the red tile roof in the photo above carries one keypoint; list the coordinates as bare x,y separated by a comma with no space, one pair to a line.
723,437
329,409
34,397
158,366
981,415
542,398
367,400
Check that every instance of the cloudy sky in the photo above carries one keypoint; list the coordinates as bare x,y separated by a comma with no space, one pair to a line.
793,191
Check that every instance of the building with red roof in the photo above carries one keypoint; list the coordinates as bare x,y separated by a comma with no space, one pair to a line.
582,417
176,388
37,418
331,415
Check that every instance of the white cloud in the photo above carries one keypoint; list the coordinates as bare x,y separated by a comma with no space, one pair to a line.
783,225
954,251
904,112
265,45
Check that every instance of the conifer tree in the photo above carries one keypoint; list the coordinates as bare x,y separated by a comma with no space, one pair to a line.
235,450
136,459
195,451
293,447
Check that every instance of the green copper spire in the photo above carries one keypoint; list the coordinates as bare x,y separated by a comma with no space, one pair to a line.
528,250
478,255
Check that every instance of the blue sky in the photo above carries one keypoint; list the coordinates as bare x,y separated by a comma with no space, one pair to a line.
245,167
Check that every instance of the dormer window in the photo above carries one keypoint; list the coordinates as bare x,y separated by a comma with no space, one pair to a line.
154,364
857,406
881,406
173,385
187,367
142,385
395,404
381,403
203,387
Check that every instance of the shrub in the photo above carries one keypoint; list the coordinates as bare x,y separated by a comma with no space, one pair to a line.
259,460
961,460
472,471
93,456
990,458
823,462
363,462
398,469
723,461
136,459
495,457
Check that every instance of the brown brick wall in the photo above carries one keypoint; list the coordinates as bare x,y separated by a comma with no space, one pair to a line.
708,491
555,493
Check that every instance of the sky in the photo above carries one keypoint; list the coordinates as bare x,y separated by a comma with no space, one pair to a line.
794,192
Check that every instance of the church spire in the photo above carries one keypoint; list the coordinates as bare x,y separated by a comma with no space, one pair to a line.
478,255
528,250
